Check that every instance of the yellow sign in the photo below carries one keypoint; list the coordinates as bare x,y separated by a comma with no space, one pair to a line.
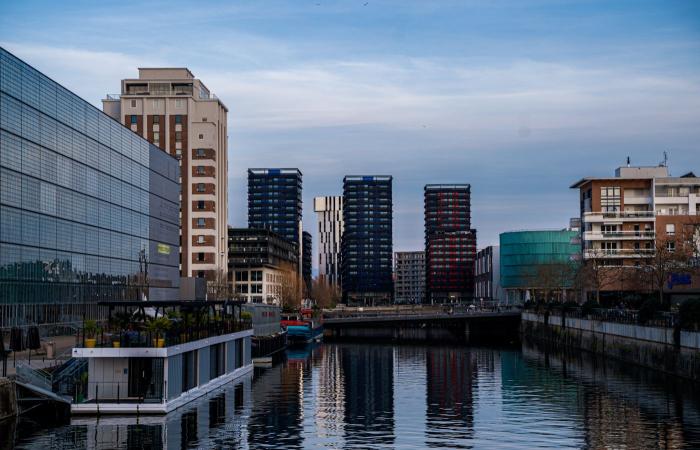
164,249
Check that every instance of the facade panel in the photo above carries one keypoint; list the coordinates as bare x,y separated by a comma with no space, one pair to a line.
367,242
450,243
80,206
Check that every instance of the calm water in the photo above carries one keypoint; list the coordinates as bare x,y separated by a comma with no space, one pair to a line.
383,396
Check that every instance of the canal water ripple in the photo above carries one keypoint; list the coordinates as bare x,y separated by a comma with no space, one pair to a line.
357,396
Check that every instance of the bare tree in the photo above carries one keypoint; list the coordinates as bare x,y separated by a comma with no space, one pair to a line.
219,287
595,274
555,279
673,254
324,293
290,287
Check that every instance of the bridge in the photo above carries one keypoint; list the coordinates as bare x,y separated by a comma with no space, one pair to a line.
454,323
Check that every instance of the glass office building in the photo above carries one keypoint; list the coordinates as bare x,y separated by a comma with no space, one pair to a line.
529,259
367,242
89,211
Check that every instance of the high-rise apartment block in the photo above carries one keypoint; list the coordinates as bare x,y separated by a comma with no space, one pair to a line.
172,109
274,202
450,243
329,211
626,217
366,247
88,210
487,275
409,277
306,253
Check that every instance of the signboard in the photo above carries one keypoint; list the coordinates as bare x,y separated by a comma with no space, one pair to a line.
163,249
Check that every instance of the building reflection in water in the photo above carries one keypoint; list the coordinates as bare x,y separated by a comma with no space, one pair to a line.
451,377
379,396
210,422
369,402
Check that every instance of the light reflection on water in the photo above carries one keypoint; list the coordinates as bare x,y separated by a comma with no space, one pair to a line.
384,396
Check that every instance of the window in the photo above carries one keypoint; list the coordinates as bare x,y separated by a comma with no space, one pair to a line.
178,103
200,256
133,119
200,204
241,275
200,239
670,229
201,136
204,119
201,222
200,170
201,187
156,120
256,275
156,137
200,152
178,136
256,289
178,118
133,103
671,246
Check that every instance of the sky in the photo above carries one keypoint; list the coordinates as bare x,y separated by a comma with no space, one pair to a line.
517,98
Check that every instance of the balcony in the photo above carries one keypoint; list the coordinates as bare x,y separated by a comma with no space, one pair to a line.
618,235
625,215
618,253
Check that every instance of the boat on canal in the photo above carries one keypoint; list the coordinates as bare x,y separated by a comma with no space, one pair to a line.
302,327
156,356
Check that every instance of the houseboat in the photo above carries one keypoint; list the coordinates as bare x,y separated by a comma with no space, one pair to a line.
160,355
302,327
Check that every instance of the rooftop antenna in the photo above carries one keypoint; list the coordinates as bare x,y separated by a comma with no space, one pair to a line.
628,161
664,163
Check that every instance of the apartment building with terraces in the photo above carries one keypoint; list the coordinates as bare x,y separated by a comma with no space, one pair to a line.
625,217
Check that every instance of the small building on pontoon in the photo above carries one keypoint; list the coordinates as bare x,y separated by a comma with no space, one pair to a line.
207,346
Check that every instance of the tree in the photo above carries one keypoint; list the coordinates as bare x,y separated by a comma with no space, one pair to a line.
673,254
595,274
219,287
290,292
555,278
324,293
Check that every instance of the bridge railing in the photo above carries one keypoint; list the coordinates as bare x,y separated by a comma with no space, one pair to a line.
417,311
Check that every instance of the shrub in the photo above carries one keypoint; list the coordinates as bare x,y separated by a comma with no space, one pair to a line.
648,310
246,315
689,314
588,307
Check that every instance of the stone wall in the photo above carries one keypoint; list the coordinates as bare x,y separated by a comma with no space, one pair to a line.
650,347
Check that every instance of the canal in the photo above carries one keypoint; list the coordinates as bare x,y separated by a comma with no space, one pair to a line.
400,396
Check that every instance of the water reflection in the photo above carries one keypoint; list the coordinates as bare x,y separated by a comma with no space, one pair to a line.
382,396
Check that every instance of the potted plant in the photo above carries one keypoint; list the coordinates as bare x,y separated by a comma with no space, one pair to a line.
120,321
157,327
90,330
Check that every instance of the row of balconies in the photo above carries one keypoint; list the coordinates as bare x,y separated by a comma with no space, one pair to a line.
618,235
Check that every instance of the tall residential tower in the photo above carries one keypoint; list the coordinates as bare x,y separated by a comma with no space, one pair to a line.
450,243
366,256
329,211
172,109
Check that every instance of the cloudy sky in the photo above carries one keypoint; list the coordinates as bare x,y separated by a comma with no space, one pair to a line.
518,98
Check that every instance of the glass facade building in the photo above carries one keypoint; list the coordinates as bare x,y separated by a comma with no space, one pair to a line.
367,242
274,202
529,259
89,211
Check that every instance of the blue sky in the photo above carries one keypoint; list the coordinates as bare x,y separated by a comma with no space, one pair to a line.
519,98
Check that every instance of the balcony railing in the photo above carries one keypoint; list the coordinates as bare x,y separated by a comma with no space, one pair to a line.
620,252
590,235
622,214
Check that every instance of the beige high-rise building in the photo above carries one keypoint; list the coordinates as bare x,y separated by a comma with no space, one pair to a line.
175,111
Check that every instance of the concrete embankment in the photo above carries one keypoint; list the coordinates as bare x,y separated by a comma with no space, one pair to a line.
652,347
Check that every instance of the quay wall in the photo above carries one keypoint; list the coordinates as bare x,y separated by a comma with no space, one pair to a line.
653,347
8,399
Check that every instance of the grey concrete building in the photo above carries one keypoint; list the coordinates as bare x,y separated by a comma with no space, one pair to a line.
409,277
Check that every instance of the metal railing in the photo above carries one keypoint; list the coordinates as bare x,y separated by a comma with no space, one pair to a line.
36,377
